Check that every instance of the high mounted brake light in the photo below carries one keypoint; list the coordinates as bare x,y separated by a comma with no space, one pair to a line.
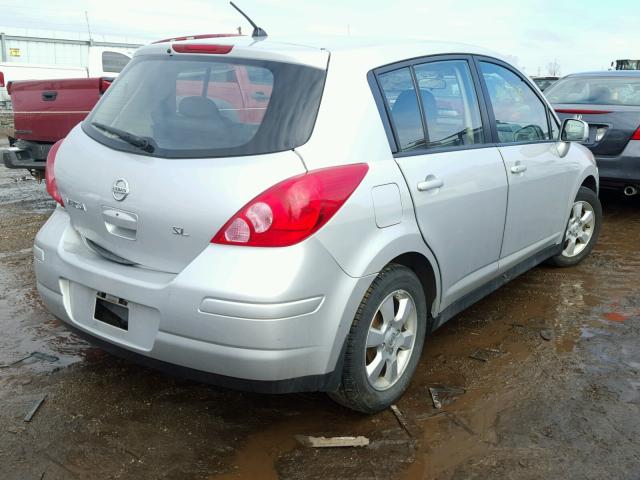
201,48
293,209
49,173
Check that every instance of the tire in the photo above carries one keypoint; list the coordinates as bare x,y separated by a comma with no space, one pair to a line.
587,201
395,287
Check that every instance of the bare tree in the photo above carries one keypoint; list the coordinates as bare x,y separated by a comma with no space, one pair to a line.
553,68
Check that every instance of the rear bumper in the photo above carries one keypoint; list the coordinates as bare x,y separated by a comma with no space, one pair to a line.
31,157
621,170
249,326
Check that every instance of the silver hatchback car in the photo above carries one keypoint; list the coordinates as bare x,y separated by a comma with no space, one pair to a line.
288,216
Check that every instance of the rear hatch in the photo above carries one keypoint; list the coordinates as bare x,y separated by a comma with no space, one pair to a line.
210,132
47,110
611,106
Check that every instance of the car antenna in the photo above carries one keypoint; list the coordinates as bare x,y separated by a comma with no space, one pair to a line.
257,31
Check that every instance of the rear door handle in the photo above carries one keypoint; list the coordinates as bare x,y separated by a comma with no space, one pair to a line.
49,96
518,168
430,183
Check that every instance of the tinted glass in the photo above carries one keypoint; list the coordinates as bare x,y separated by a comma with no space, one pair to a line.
450,103
596,91
402,101
198,106
114,62
520,115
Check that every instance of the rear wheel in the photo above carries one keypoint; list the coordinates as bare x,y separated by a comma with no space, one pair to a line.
582,229
385,342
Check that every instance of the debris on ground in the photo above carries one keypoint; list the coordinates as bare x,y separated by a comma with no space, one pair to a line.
15,429
547,335
31,413
442,396
401,420
486,354
332,442
37,355
460,423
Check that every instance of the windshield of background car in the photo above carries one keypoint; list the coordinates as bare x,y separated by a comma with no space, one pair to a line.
190,106
596,91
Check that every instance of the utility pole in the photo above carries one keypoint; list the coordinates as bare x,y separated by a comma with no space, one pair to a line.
3,47
86,17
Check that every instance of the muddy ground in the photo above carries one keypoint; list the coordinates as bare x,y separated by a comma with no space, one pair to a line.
557,397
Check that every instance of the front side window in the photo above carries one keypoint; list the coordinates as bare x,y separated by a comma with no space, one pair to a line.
190,106
450,103
402,101
520,115
114,62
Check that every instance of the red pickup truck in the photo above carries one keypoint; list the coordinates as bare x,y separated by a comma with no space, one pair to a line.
44,112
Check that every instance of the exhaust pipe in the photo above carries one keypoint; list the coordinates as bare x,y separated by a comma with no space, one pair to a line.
630,190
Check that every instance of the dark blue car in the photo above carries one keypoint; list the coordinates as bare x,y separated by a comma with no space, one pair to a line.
610,103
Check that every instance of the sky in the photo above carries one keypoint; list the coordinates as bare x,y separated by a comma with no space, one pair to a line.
577,34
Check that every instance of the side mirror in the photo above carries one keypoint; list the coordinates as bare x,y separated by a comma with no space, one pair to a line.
574,130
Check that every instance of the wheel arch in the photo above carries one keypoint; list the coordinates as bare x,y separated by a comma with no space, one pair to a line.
591,183
425,272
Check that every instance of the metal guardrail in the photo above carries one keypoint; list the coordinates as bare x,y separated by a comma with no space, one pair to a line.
91,43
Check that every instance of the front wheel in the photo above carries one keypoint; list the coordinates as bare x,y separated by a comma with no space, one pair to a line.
384,343
582,229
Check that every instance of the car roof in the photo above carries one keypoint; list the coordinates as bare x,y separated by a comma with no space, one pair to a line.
607,73
375,51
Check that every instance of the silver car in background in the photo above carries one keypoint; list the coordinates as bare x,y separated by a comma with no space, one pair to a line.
288,216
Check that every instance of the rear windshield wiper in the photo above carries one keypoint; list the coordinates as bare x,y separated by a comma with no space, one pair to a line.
142,143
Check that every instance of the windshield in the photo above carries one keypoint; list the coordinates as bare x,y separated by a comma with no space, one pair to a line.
202,106
596,91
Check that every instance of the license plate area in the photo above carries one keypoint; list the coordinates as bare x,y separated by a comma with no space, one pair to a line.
112,310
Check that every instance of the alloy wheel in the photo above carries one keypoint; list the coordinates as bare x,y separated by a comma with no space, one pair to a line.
579,229
390,340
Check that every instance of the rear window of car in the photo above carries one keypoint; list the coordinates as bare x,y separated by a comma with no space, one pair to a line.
596,91
189,106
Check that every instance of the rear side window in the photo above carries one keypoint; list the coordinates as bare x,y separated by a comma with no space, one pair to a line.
520,115
114,62
191,106
447,106
402,102
450,103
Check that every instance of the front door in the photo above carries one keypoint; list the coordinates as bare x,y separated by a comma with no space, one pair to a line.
539,179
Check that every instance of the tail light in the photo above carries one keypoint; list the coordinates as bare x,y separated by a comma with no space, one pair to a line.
293,209
9,87
1,79
636,136
103,84
49,173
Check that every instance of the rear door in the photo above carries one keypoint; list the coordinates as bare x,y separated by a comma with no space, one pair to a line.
539,179
456,178
160,209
